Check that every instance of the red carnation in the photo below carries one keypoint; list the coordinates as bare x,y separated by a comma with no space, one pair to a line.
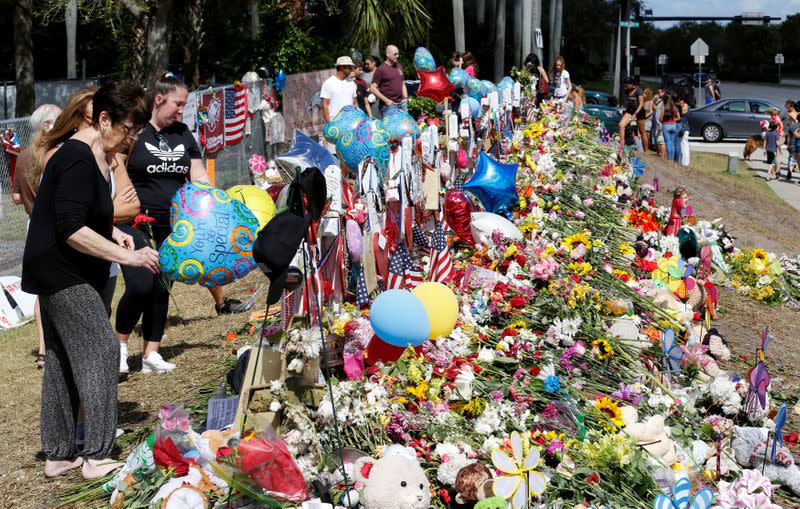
521,259
518,302
535,371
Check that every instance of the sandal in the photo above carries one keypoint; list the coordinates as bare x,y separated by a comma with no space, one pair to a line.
39,360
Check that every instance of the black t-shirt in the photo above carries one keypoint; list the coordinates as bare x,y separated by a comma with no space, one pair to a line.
632,101
72,194
362,92
159,166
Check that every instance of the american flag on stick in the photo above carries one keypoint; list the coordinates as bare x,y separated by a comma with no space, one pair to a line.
441,268
402,271
235,114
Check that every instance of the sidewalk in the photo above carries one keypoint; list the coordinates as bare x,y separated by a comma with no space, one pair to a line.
788,191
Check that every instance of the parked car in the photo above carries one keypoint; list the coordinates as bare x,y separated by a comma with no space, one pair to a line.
609,115
700,78
729,118
597,97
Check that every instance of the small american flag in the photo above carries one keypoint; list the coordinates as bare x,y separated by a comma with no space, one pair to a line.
420,238
235,114
402,272
442,269
362,297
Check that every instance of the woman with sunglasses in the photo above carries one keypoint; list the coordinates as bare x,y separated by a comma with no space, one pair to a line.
71,244
164,157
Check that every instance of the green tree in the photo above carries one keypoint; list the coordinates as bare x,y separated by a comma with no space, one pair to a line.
374,22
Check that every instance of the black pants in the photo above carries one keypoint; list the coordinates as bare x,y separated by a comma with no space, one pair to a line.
145,295
81,368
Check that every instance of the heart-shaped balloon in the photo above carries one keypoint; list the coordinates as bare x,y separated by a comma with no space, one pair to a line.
212,237
434,85
369,139
398,123
488,87
346,121
474,105
457,209
423,60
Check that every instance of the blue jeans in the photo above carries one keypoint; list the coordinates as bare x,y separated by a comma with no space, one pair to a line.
672,142
403,105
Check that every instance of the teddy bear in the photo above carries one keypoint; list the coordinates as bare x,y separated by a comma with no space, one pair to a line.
395,481
473,483
626,330
664,298
749,447
652,435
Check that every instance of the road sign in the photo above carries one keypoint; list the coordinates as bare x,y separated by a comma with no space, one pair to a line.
629,24
662,59
699,48
539,38
779,58
699,59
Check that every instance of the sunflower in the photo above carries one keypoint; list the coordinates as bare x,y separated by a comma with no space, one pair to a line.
602,349
759,254
610,409
577,239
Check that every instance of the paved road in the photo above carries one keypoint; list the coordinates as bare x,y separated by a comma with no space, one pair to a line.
773,93
788,191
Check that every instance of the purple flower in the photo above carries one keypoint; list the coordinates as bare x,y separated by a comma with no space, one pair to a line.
630,393
497,395
550,411
554,446
397,427
518,374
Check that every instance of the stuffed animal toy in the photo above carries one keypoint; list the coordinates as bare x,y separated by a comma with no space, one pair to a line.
492,503
473,483
626,329
666,299
749,451
717,346
395,481
652,435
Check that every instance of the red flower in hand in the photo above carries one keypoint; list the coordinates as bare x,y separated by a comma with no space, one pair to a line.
142,218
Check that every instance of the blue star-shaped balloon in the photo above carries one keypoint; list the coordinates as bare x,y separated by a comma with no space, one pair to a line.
638,166
494,184
305,153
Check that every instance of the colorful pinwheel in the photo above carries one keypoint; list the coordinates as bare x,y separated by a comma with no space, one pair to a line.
519,480
682,497
674,273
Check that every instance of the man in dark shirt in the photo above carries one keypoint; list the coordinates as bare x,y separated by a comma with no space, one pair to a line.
387,82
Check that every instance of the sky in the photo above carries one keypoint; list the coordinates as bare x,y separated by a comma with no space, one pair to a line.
776,8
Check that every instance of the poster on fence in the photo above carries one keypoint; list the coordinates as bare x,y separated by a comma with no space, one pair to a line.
214,125
302,107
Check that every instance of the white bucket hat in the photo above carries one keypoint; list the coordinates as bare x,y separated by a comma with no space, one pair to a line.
341,61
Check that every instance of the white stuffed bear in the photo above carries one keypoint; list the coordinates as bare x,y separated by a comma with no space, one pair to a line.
626,330
395,481
749,450
652,435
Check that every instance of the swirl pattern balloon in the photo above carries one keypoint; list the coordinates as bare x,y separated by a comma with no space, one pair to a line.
474,88
344,122
458,77
423,60
488,87
369,139
398,124
212,237
505,83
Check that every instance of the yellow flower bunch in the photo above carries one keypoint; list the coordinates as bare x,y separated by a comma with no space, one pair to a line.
420,391
511,251
625,249
572,241
762,293
580,268
610,409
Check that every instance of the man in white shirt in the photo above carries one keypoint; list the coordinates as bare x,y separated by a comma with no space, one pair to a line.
338,91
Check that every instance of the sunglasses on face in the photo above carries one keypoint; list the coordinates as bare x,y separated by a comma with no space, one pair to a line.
131,131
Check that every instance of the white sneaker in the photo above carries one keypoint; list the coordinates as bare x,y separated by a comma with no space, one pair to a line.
123,359
154,363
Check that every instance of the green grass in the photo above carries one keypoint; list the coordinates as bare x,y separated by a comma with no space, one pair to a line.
717,164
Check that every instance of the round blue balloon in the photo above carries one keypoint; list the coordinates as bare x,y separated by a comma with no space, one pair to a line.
211,242
474,105
494,184
399,318
280,81
423,60
305,153
487,87
345,121
505,83
369,139
474,88
458,77
398,124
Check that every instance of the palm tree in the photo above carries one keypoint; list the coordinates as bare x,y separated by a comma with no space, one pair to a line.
23,57
458,25
374,21
499,39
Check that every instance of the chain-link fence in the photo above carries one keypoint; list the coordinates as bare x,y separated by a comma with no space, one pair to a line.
231,168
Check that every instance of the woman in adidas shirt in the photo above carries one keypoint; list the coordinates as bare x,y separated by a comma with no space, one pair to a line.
165,156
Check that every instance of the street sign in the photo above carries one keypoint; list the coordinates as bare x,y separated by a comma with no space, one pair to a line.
779,58
699,48
539,38
662,59
629,24
699,59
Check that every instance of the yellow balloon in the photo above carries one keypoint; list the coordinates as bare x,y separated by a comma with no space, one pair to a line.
257,200
441,304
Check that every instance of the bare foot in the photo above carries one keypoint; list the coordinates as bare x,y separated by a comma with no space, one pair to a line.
92,469
54,468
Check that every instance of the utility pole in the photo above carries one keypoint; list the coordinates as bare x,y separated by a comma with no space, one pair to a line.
625,16
536,22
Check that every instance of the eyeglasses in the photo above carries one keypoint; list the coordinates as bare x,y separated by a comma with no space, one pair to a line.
397,54
131,131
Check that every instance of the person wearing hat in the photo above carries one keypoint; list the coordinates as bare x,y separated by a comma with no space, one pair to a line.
338,91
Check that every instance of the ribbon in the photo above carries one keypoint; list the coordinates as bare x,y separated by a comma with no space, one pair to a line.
12,148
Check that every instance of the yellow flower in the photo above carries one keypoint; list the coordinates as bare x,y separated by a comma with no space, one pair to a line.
575,240
610,410
414,374
474,407
519,324
759,254
626,249
610,190
602,349
420,391
581,269
598,243
511,251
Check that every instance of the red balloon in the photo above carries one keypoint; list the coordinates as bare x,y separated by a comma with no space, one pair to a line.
434,84
457,209
380,350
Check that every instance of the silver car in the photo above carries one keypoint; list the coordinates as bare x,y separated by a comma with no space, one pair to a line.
729,118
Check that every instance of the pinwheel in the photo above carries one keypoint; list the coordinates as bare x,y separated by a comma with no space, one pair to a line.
780,421
674,273
759,378
638,166
682,497
519,480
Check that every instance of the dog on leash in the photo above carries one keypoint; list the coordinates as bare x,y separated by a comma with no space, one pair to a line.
753,143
